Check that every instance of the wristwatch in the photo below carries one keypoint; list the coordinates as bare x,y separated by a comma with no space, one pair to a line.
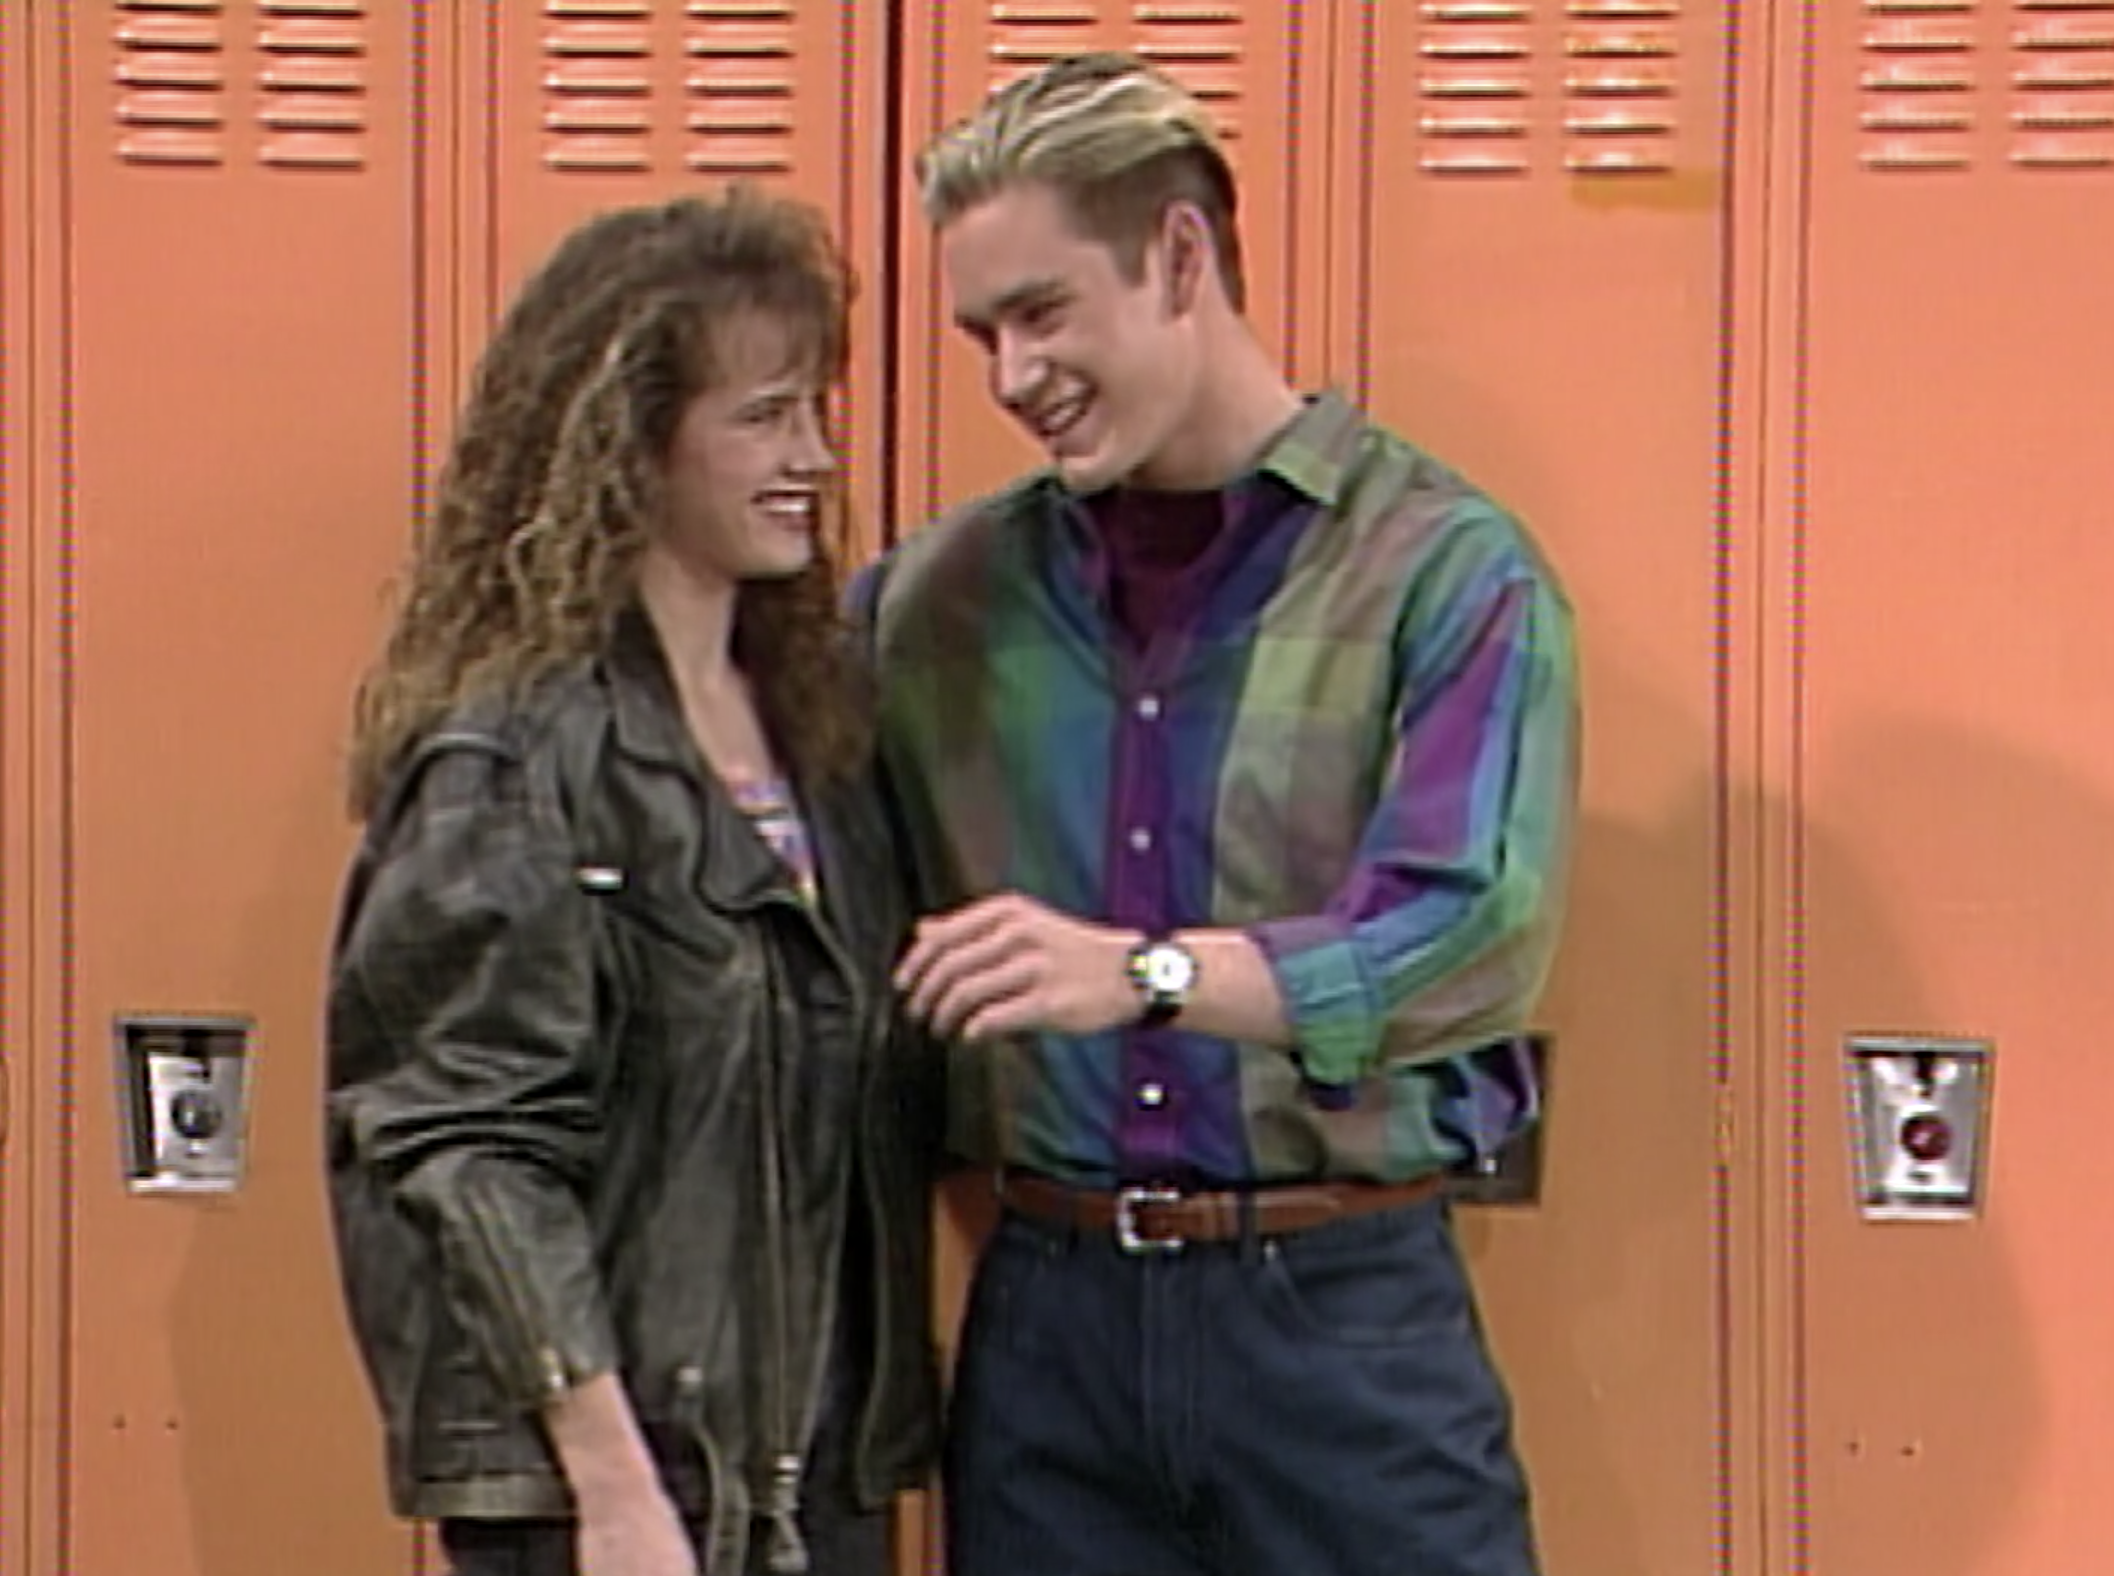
1163,973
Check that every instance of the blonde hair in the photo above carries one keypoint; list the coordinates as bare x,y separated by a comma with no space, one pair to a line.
1118,140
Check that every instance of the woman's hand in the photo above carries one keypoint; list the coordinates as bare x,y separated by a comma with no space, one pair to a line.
637,1537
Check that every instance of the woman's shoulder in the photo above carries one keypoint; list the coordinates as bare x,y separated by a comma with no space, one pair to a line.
528,743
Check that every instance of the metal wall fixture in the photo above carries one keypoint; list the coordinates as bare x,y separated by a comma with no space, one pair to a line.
183,1102
1919,1124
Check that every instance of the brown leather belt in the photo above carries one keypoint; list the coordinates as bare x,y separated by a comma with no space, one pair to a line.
1162,1220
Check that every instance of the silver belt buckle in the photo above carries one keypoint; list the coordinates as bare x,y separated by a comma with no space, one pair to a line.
1127,1201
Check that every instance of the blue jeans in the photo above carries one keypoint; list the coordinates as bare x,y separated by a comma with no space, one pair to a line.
1321,1404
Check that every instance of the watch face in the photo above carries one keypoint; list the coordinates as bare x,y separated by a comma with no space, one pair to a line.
1168,971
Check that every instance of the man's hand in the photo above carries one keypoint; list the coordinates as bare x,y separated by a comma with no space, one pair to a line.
1007,964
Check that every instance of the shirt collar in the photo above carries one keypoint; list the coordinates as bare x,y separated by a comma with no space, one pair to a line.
1312,453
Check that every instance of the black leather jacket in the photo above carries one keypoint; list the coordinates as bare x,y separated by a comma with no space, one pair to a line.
604,1093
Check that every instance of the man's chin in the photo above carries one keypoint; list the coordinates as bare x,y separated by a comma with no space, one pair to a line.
1086,473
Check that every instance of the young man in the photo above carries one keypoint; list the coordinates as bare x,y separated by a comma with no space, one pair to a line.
1238,754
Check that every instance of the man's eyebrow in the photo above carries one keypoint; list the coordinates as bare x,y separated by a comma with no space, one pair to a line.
1011,301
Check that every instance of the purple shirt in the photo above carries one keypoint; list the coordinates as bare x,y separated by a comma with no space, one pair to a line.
1155,558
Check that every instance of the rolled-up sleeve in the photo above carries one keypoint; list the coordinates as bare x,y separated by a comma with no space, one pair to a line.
1440,936
472,956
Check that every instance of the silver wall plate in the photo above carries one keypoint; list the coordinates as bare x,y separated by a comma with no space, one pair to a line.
183,1102
1919,1124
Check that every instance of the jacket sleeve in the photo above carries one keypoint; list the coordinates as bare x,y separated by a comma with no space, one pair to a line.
1439,937
471,959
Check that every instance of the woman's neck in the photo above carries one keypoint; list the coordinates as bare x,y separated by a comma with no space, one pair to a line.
693,613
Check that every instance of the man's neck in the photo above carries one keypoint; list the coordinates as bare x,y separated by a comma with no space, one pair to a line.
1242,402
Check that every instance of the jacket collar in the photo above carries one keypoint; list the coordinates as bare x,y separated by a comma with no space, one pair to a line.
647,719
740,871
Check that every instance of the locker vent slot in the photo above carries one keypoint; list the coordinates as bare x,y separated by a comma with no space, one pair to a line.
1201,47
1475,63
1621,61
738,79
1025,38
2062,111
1918,84
312,84
597,85
171,80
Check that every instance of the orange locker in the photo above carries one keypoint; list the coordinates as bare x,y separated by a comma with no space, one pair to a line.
23,419
236,224
267,242
1530,287
1946,785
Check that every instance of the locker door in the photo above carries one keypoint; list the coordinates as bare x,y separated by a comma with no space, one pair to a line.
1529,288
1954,795
1260,66
595,104
239,229
22,151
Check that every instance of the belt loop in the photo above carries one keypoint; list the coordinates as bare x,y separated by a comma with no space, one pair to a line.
1251,1236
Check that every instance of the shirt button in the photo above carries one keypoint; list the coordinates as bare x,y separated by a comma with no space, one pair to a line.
1152,1096
1140,840
1148,707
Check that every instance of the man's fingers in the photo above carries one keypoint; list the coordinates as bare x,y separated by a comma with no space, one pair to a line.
941,934
948,968
1006,984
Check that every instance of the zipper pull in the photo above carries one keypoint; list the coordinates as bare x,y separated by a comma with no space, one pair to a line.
788,1551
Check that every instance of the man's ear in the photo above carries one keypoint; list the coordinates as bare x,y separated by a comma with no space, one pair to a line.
1185,251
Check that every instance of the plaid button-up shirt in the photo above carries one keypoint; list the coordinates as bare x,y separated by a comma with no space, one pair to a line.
1360,746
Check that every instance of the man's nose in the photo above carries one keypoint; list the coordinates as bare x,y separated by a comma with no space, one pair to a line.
1016,371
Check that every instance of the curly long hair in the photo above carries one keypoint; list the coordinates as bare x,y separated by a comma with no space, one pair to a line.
545,503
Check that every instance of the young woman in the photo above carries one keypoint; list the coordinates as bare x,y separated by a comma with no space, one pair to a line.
629,1156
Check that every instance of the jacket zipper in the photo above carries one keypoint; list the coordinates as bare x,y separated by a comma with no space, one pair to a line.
788,1552
785,1552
